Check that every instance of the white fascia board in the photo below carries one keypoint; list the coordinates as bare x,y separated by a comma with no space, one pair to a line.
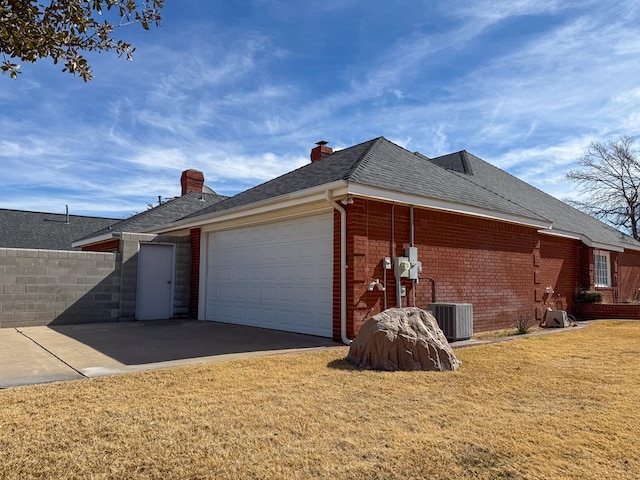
444,206
293,199
96,239
603,246
340,189
561,233
583,238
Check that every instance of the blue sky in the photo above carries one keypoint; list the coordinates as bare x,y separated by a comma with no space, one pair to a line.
243,90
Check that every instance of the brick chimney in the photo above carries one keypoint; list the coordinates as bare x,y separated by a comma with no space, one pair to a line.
191,181
322,150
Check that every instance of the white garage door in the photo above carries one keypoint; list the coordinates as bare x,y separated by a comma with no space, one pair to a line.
278,275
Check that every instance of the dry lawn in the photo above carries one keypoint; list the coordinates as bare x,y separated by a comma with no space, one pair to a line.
560,406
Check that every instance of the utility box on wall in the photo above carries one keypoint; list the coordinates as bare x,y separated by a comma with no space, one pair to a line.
416,266
401,267
454,319
408,266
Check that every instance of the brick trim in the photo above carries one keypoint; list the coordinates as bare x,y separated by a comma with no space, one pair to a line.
194,282
592,311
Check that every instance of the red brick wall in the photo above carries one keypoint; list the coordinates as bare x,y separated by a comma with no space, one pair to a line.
590,311
194,284
559,269
336,278
629,266
501,269
107,246
488,264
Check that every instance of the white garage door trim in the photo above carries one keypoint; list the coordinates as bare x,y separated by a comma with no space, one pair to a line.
277,275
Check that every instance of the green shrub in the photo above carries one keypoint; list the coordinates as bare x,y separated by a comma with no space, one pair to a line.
590,296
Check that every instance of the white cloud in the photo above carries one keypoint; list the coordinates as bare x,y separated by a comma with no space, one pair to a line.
235,97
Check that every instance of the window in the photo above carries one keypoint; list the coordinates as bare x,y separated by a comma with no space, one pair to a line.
602,269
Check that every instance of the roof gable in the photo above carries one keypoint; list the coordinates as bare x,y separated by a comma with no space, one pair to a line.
457,162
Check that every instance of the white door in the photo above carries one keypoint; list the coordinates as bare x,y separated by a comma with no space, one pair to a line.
154,300
277,275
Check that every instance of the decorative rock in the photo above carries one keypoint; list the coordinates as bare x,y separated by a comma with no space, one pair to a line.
402,339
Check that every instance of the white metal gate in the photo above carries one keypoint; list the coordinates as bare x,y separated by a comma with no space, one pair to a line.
154,300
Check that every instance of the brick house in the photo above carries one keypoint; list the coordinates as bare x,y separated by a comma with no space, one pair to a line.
307,251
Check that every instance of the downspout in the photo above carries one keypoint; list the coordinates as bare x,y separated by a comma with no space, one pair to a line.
393,254
343,267
411,229
411,239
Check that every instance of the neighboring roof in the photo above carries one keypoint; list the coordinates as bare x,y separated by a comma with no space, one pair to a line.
167,212
45,231
456,179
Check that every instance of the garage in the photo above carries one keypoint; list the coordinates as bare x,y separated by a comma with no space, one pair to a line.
277,275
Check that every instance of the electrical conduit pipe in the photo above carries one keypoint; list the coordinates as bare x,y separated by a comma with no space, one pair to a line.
343,267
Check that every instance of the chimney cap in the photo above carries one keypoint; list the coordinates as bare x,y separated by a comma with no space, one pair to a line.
320,150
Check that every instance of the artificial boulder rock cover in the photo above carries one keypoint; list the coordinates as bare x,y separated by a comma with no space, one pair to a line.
402,339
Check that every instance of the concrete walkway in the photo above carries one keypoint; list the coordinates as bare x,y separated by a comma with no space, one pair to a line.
32,355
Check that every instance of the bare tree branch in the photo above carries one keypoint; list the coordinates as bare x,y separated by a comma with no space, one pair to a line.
610,176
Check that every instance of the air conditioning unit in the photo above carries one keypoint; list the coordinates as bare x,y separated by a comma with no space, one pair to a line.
454,319
556,319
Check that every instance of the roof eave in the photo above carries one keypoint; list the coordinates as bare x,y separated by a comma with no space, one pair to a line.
296,198
97,239
586,240
445,206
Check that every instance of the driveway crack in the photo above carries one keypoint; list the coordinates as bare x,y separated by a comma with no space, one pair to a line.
51,353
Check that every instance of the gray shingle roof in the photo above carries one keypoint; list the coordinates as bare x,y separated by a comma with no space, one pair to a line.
46,231
313,174
389,166
169,211
564,216
458,178
378,163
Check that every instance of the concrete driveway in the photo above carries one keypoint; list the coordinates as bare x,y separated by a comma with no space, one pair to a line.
31,355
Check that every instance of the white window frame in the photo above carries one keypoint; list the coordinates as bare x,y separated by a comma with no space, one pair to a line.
601,268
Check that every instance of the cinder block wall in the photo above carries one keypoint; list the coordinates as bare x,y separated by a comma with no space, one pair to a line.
48,287
41,287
